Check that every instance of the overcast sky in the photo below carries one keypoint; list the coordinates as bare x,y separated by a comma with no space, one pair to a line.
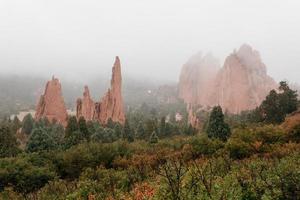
154,38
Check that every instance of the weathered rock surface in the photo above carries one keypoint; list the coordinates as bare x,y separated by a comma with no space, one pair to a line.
85,106
196,78
241,84
110,106
51,104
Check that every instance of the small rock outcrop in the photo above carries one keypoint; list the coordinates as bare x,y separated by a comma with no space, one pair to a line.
51,104
241,84
110,106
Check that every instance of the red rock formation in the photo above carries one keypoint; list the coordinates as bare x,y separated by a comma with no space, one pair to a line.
196,77
111,105
241,84
85,106
51,104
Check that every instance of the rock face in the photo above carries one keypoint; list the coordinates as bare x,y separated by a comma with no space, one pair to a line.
51,104
110,106
196,78
85,106
241,84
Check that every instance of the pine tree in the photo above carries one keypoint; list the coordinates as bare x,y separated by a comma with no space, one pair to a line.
271,108
27,124
288,98
277,105
40,140
8,142
217,128
16,124
162,126
83,128
72,126
140,131
118,130
128,135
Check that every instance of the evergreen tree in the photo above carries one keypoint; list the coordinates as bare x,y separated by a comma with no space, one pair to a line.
83,128
75,138
162,126
140,131
56,131
128,135
277,105
97,136
72,126
288,98
272,111
8,142
27,124
16,124
40,140
153,138
118,130
217,128
109,135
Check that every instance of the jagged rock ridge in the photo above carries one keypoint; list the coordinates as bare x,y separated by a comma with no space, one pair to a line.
241,84
51,104
110,106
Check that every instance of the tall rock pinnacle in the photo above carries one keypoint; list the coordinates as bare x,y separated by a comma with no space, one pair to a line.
110,106
51,104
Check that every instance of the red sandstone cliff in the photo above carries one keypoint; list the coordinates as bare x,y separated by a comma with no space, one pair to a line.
51,104
241,84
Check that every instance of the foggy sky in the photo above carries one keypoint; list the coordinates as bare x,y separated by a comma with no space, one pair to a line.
154,38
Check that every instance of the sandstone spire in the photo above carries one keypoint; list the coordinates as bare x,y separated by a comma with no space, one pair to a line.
111,105
85,106
51,104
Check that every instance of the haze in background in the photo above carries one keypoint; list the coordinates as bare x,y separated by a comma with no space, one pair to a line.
78,39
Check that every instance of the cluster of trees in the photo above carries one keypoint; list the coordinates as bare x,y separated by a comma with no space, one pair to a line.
277,105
